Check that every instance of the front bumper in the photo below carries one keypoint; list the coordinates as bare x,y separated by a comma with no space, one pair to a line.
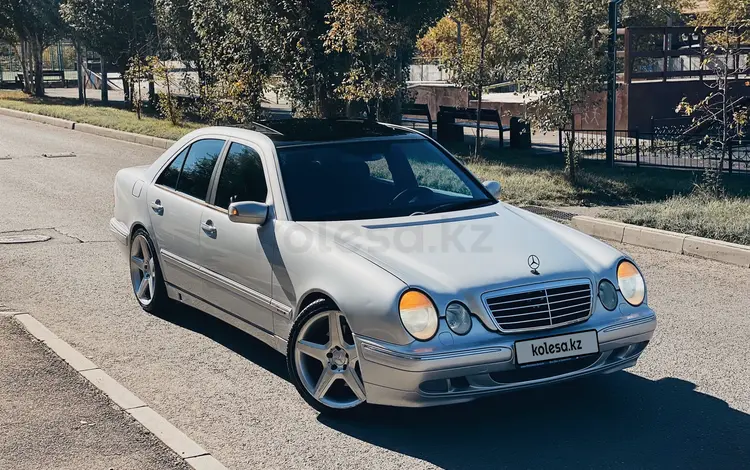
445,372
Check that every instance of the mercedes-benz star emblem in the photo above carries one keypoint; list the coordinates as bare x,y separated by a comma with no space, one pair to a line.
534,264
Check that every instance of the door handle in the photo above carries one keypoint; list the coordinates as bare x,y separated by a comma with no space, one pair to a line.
208,227
157,207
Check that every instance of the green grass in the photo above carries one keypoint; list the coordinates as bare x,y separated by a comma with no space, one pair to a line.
95,114
529,178
721,219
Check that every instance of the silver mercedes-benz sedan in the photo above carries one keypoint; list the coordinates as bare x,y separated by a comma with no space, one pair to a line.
377,263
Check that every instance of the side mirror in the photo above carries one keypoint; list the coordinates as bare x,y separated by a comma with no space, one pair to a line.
254,213
493,187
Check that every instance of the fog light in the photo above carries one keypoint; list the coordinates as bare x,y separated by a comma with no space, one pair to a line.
458,318
608,295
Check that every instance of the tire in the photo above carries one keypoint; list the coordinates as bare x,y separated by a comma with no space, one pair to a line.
338,384
146,271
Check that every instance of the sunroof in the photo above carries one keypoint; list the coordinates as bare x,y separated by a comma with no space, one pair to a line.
322,130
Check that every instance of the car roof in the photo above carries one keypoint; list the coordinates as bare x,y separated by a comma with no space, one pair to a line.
288,132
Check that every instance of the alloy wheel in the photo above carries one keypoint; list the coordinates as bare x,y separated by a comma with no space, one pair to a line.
327,361
142,270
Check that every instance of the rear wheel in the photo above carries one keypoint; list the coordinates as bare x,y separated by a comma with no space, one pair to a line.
323,360
145,273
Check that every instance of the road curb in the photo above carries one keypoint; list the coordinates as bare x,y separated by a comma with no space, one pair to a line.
193,454
52,121
91,129
716,250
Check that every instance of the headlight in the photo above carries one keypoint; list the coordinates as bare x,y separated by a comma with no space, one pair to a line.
631,283
418,314
458,318
608,294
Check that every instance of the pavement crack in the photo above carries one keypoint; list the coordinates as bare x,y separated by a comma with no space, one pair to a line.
67,235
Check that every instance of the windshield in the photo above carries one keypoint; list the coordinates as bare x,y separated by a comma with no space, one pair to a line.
375,179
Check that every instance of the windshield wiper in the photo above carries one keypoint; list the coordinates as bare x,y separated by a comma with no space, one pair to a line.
455,206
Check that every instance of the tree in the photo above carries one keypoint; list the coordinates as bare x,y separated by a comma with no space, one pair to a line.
560,64
137,70
723,113
34,24
484,50
292,32
174,21
178,39
116,29
374,46
235,65
167,102
322,48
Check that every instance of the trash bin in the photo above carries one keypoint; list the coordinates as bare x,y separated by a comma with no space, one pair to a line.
447,129
520,133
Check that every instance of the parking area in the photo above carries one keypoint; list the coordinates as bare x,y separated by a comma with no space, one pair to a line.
686,404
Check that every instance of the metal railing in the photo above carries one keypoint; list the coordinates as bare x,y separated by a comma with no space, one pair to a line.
661,149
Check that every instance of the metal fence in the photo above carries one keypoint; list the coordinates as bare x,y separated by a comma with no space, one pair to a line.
660,149
60,56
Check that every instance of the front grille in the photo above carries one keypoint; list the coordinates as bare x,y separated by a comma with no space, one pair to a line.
541,306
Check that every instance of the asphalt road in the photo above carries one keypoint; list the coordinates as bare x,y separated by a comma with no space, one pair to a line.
51,417
686,404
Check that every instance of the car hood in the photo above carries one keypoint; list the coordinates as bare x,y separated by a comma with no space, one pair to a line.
486,249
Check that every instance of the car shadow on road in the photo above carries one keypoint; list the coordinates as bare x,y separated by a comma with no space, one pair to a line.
616,421
228,336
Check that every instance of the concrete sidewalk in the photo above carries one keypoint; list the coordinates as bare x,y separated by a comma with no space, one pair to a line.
52,418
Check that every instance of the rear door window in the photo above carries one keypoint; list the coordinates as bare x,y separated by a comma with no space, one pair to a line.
169,177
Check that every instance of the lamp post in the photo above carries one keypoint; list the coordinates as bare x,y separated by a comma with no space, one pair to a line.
612,80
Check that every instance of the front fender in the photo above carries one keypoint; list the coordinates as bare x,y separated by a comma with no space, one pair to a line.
367,294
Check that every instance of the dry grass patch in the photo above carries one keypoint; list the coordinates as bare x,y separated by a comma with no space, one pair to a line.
721,219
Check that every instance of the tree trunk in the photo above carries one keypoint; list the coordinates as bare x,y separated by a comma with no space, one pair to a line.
79,74
127,89
25,66
480,87
38,67
571,163
152,91
398,101
201,80
105,82
724,90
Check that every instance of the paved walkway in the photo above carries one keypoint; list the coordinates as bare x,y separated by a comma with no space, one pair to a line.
52,418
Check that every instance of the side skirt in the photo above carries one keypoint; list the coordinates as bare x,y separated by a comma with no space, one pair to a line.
269,338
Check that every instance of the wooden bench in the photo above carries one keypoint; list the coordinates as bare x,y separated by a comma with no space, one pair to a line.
452,121
58,74
409,111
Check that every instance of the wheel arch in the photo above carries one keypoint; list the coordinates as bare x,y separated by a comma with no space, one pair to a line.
310,297
134,228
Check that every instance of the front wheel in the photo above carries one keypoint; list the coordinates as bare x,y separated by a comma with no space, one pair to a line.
323,361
